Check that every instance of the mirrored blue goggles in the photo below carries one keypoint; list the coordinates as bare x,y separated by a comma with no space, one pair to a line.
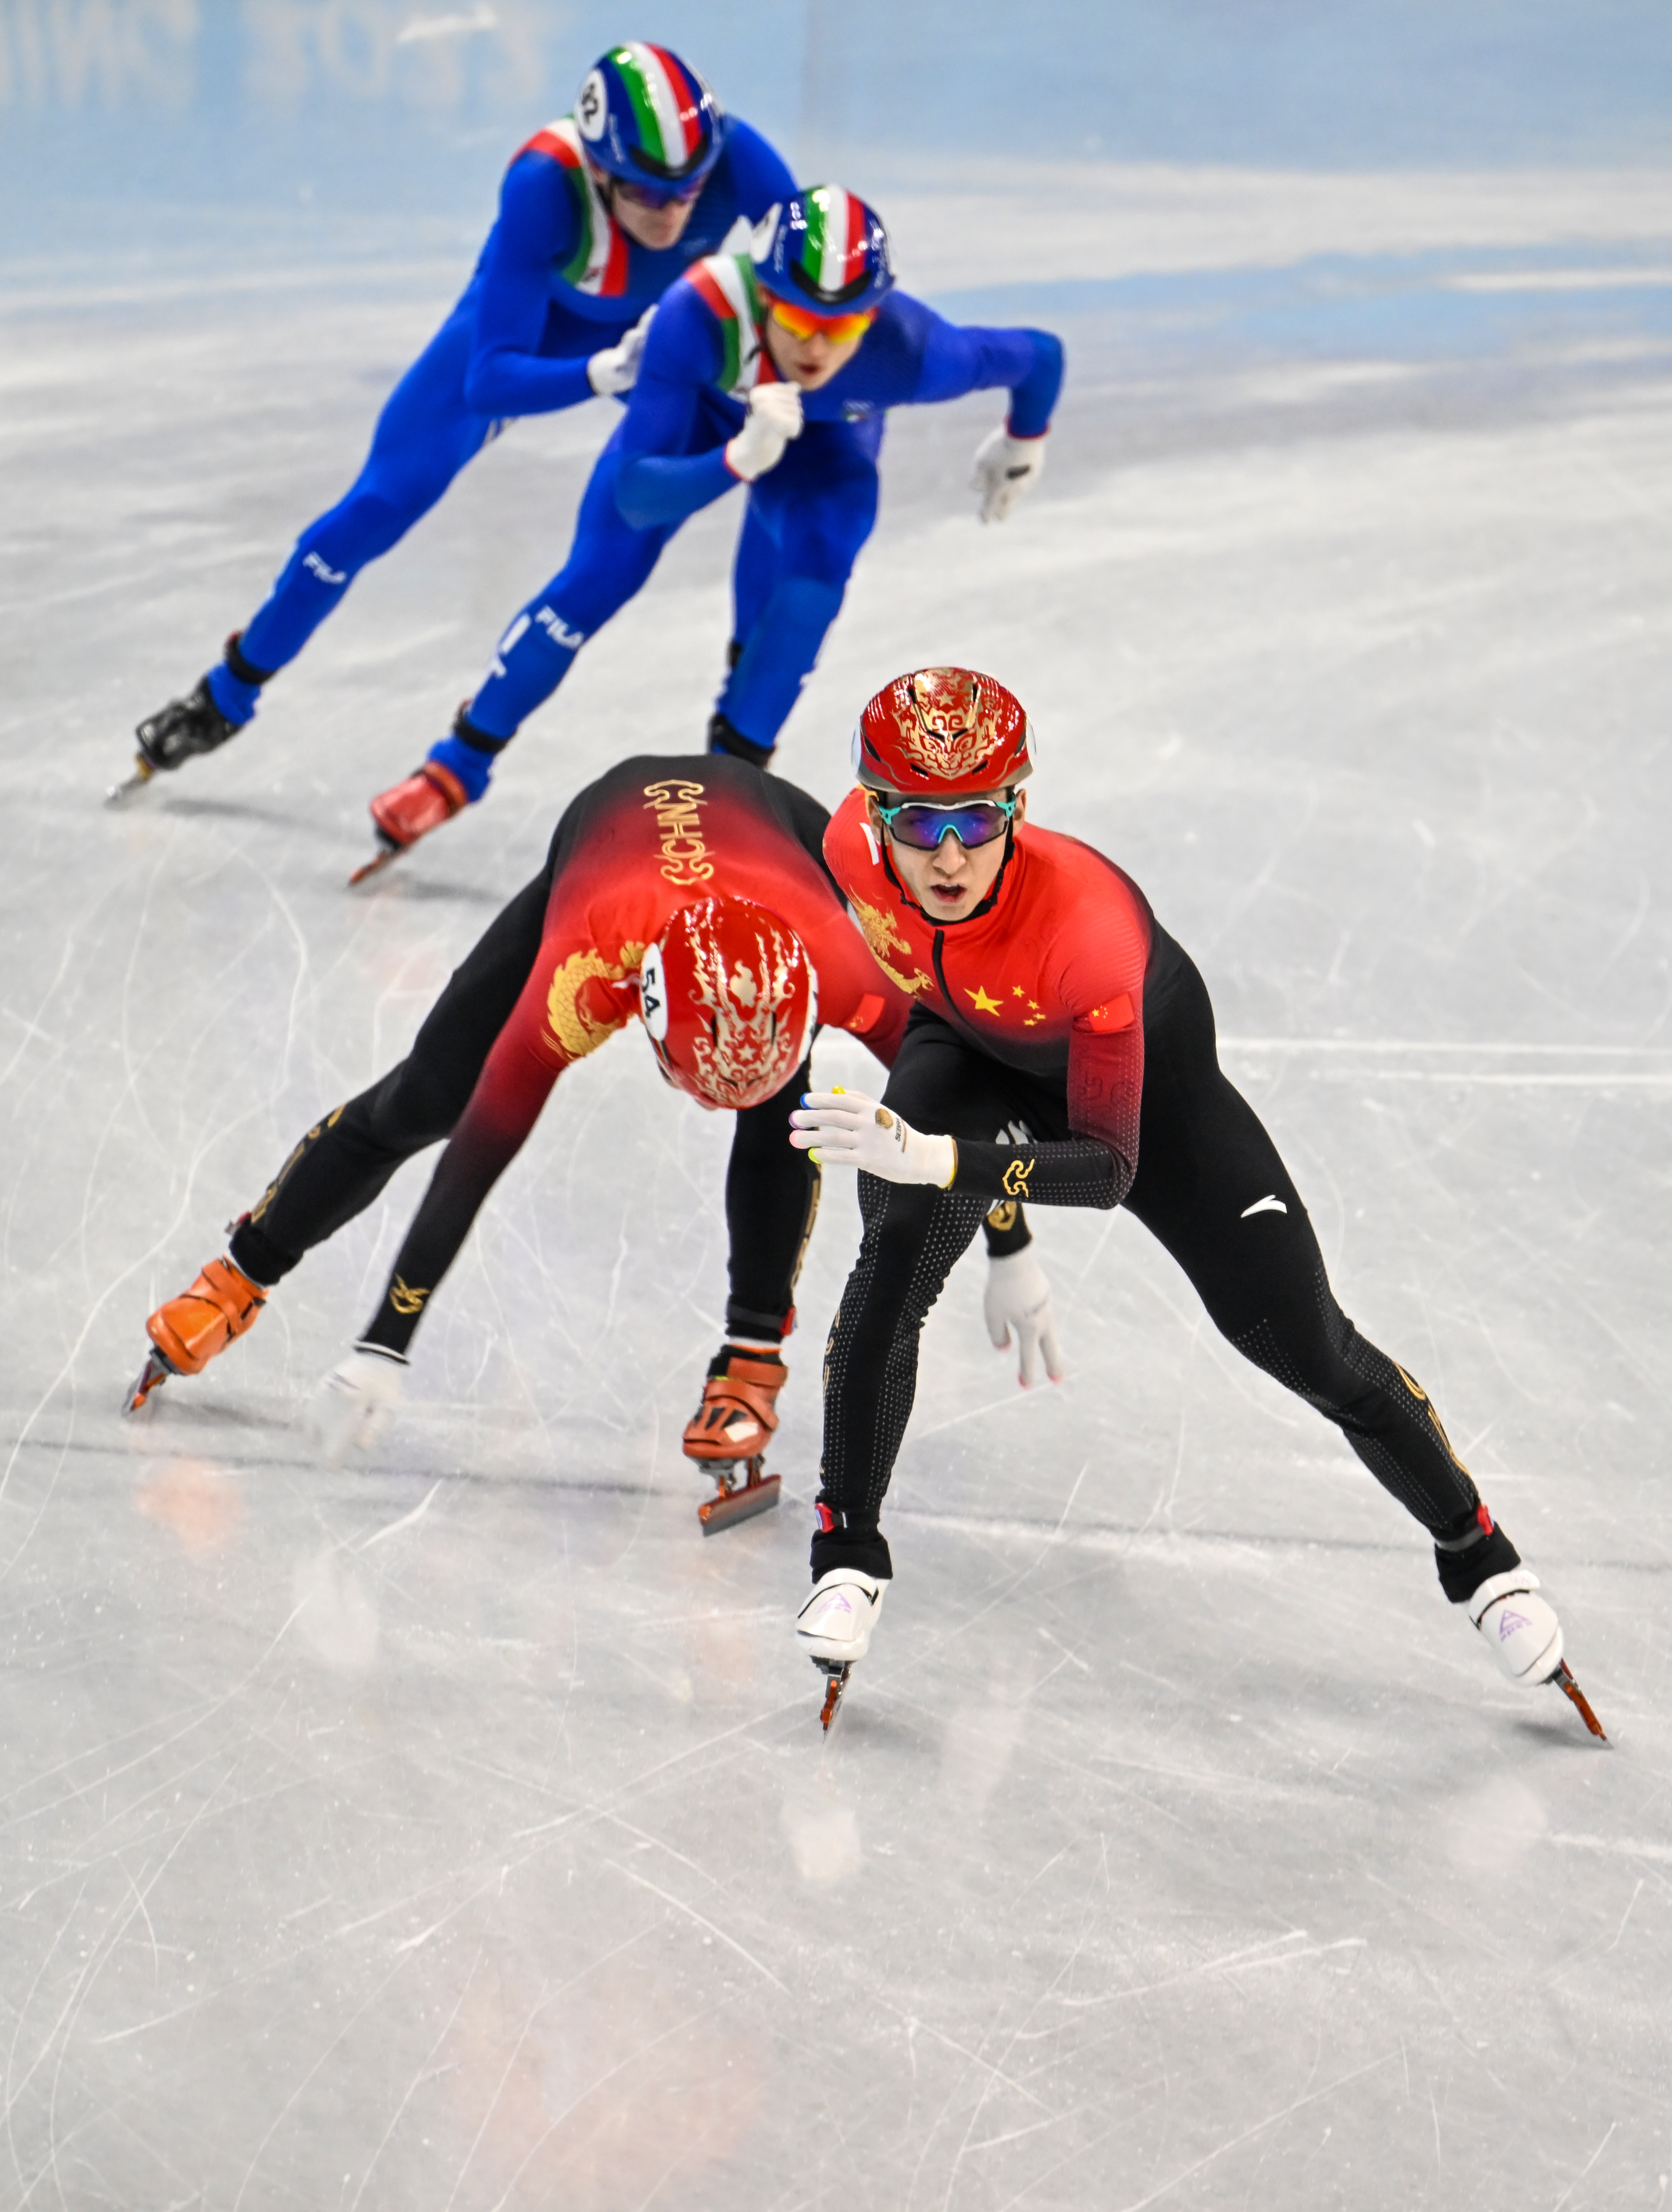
977,821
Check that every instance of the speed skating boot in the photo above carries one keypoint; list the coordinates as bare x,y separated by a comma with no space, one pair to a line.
187,1332
1524,1633
431,795
182,729
834,1627
732,1427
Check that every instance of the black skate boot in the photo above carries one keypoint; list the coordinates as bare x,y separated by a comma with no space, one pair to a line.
183,727
723,738
186,727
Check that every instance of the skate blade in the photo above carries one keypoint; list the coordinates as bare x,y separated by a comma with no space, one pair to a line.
156,1369
1565,1683
142,774
835,1673
731,1506
378,861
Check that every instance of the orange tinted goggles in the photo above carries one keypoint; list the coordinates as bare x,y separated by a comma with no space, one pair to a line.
839,328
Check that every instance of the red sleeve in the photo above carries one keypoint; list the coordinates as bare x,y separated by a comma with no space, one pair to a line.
1106,1085
1104,950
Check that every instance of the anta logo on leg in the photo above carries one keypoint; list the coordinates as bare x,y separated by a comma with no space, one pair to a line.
1014,1133
558,631
326,574
1270,1203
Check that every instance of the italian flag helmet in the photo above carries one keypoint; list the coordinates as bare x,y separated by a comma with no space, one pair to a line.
729,1001
647,117
827,253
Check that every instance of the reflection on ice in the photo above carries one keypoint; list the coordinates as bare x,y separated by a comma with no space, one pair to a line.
824,1830
1489,1829
335,1612
200,1503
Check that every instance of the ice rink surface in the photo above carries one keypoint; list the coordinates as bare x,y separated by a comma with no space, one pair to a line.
456,1832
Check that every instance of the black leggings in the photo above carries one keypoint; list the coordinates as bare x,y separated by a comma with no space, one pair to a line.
343,1162
1210,1186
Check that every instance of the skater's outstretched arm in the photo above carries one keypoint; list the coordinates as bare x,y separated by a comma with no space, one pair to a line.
947,360
959,358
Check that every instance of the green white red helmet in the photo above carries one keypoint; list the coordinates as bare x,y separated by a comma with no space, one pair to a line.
828,253
647,117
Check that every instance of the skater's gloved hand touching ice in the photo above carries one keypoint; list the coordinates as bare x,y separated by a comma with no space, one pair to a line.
774,418
1019,1298
846,1129
1005,468
616,369
355,1403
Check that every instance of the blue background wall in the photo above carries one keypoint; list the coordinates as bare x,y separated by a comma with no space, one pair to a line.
127,106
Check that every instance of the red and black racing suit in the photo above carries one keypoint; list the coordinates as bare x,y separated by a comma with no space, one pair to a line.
1067,1042
551,980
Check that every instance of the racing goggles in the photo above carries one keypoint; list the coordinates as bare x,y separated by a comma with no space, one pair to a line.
976,822
839,328
657,197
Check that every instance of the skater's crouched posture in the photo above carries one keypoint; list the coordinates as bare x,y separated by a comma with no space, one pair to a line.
774,370
1061,1048
598,214
691,892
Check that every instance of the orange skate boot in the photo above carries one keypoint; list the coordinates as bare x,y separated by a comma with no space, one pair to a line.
188,1331
733,1426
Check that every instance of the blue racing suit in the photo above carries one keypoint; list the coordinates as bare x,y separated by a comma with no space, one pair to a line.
558,280
805,522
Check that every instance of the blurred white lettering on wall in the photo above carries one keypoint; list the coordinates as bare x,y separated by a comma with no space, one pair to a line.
386,51
96,53
110,55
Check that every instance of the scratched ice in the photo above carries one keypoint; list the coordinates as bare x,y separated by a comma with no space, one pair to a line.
456,1832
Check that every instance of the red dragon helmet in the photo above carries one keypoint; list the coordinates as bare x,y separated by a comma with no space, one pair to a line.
941,732
729,1000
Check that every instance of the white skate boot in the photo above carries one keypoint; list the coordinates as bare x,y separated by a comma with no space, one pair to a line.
1522,1629
1520,1625
834,1627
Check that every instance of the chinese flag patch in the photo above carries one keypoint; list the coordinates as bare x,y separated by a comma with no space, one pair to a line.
1117,1015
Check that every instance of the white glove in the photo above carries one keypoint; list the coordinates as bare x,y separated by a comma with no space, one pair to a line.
853,1130
1005,468
616,367
774,418
355,1403
1018,1298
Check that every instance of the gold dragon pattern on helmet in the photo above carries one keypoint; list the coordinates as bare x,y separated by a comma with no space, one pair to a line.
746,1051
943,726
